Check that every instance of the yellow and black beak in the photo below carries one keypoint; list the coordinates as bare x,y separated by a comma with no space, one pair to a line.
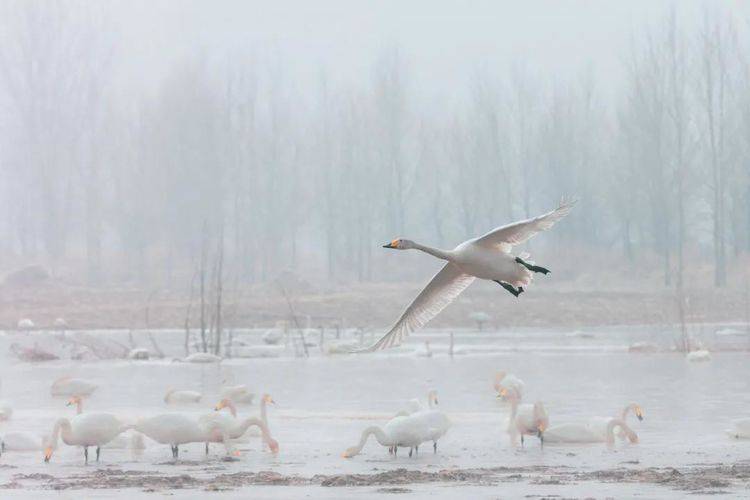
392,244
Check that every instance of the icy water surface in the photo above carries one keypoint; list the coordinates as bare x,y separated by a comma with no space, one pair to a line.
324,402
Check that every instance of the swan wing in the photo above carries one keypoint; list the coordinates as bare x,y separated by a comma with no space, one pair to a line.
444,287
516,233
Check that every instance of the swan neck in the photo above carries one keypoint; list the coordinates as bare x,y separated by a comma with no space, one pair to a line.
248,422
61,426
263,416
435,252
513,412
380,436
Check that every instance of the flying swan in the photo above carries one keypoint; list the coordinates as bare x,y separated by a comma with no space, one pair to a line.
487,257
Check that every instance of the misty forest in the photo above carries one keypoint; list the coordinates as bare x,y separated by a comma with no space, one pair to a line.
432,248
227,150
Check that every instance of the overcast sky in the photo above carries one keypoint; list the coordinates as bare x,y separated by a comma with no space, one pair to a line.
442,42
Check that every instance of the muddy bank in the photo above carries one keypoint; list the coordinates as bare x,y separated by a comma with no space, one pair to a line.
552,304
709,479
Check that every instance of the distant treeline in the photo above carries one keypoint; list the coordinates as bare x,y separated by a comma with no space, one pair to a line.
313,180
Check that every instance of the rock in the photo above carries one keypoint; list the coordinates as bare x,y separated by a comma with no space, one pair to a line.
139,353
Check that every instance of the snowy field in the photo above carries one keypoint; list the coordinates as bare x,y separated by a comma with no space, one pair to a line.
324,402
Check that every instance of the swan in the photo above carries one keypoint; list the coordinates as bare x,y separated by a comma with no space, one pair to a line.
699,355
175,397
228,428
86,429
486,257
78,402
582,433
22,441
414,406
741,429
599,425
202,357
509,381
273,336
399,431
264,401
68,386
525,419
175,429
237,393
436,424
121,442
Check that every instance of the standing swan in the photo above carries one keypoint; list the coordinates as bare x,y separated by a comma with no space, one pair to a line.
86,429
236,428
265,434
525,419
487,257
175,429
405,431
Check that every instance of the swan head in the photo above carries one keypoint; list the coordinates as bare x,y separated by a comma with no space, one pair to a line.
638,412
350,452
502,393
222,404
47,453
268,399
400,244
273,445
432,396
508,394
74,400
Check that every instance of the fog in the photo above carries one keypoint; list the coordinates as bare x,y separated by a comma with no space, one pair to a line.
202,203
303,136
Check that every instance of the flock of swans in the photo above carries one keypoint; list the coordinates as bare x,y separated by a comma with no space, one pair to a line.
415,425
105,430
486,257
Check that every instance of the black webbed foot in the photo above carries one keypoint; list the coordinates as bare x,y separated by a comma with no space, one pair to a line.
532,268
515,291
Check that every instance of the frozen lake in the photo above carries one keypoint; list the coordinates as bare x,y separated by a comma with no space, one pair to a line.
324,402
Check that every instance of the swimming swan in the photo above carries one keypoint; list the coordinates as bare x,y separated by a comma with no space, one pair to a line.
68,386
599,424
582,433
175,397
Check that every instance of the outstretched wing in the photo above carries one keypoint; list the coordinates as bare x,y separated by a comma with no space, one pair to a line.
518,232
444,287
